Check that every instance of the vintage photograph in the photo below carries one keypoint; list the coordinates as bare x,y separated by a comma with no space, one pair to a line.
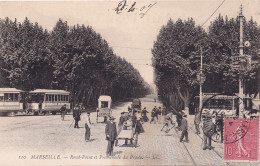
127,82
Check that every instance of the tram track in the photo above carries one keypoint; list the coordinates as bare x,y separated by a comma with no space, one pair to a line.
189,154
212,149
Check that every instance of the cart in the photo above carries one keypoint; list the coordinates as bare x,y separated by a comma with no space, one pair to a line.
136,105
104,107
128,133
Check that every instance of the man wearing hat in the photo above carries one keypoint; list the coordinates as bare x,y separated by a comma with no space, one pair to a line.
76,116
144,115
208,131
111,134
87,127
63,111
184,128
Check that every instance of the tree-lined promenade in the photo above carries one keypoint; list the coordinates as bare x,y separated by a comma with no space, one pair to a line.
74,58
176,59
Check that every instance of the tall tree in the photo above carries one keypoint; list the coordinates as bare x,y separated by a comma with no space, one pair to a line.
173,51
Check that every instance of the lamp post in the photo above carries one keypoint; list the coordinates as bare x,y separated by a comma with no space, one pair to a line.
241,54
201,80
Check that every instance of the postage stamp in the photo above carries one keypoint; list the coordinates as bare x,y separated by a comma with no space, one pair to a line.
241,139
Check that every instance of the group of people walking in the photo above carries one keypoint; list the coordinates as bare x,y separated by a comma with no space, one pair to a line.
111,132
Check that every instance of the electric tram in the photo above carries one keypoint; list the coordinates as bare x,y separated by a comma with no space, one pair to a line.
46,101
10,101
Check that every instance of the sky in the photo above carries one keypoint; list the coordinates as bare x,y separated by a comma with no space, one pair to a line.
131,34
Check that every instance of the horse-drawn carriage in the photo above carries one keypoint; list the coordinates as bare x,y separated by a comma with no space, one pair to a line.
104,107
136,105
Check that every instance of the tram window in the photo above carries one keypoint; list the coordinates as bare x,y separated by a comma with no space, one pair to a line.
16,96
228,103
1,98
62,97
8,97
214,103
47,98
66,98
58,97
55,97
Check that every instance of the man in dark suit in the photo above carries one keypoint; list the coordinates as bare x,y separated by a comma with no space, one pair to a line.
208,131
76,116
184,128
63,111
111,134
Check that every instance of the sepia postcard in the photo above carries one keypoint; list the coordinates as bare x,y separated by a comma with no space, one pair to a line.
130,82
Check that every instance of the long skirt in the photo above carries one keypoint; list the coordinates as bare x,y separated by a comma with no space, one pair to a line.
87,133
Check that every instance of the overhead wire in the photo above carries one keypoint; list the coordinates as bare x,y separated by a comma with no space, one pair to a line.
213,13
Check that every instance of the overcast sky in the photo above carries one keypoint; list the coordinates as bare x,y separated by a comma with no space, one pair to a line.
129,34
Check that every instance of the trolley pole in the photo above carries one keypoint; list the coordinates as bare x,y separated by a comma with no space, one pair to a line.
241,54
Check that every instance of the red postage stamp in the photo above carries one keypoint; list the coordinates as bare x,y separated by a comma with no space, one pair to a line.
241,139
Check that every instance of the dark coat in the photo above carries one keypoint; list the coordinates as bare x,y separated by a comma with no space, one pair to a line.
122,119
137,125
184,124
154,112
144,111
208,127
76,114
111,131
63,108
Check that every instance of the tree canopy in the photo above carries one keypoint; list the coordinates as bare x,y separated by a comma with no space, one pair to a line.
176,59
74,58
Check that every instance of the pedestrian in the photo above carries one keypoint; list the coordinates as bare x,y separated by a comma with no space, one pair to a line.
87,127
156,113
159,113
111,134
122,119
63,111
197,120
179,118
138,128
153,114
76,116
144,115
184,128
164,112
167,122
208,131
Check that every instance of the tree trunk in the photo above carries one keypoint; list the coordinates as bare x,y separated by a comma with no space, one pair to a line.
185,97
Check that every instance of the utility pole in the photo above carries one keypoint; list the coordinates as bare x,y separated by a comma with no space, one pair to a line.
241,54
200,104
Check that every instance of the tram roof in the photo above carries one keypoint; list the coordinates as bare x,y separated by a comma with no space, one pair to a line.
104,98
49,91
9,90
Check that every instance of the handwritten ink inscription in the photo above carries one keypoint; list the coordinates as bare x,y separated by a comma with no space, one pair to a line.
127,7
